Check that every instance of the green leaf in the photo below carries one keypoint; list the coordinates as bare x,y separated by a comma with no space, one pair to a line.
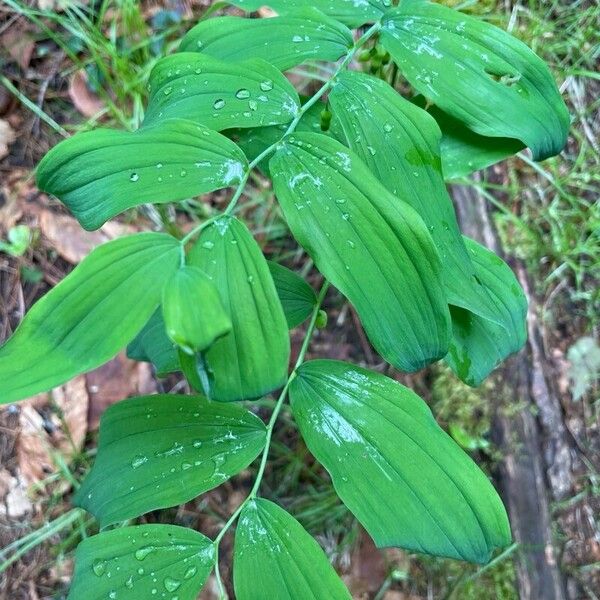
400,143
464,151
479,346
297,297
161,451
284,42
351,12
252,359
478,74
219,94
405,480
192,310
99,174
276,559
152,344
372,246
142,562
89,316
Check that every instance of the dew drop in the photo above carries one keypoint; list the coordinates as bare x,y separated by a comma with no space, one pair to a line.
219,104
183,173
266,85
242,94
388,128
134,177
208,245
167,90
129,582
371,150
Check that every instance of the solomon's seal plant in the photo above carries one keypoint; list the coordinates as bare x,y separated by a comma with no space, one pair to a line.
358,170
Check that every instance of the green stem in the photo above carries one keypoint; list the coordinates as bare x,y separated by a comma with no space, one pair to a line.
292,127
270,427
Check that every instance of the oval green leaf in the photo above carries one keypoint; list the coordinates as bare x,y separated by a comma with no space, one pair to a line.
284,42
219,94
99,174
161,451
401,475
478,74
276,559
372,246
192,310
400,143
252,359
142,562
479,346
297,297
89,316
351,12
152,344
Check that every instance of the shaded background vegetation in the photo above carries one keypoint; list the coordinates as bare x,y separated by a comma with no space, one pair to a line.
69,66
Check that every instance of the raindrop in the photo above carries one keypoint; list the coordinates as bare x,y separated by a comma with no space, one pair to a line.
112,595
388,128
172,584
219,104
99,567
351,244
190,573
138,461
159,165
250,279
252,105
167,90
242,94
297,39
142,553
134,177
371,150
185,466
208,245
183,173
129,582
266,85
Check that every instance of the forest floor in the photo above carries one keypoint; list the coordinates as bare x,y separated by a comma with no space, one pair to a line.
63,70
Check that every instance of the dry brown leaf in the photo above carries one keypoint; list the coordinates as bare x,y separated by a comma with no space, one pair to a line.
19,43
15,501
71,241
7,137
84,100
73,401
33,446
118,379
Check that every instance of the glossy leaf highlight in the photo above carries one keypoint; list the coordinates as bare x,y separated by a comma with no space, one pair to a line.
406,480
479,74
161,451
